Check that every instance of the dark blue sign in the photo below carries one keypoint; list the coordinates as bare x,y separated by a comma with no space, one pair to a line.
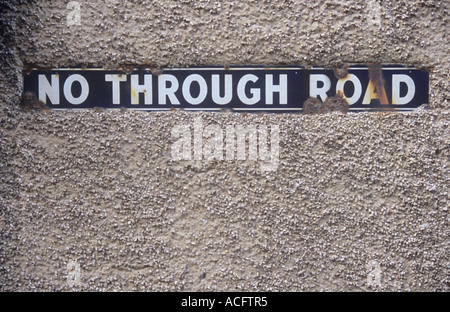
281,89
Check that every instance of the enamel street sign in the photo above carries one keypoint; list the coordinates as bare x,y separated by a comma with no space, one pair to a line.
279,89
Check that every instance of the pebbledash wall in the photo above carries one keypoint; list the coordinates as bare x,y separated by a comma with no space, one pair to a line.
92,200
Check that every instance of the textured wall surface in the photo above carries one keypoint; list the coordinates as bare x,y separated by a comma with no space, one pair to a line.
92,200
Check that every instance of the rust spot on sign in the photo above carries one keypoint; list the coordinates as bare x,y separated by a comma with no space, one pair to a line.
29,102
156,71
336,103
340,70
127,68
312,106
332,104
376,76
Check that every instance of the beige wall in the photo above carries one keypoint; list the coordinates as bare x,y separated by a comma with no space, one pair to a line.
353,194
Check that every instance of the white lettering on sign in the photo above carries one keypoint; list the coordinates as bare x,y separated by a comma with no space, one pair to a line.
209,89
256,93
215,89
137,88
116,80
47,89
320,85
187,89
314,89
396,81
164,91
357,88
280,88
68,89
370,94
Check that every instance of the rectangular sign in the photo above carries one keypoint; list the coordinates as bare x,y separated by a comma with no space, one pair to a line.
279,89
